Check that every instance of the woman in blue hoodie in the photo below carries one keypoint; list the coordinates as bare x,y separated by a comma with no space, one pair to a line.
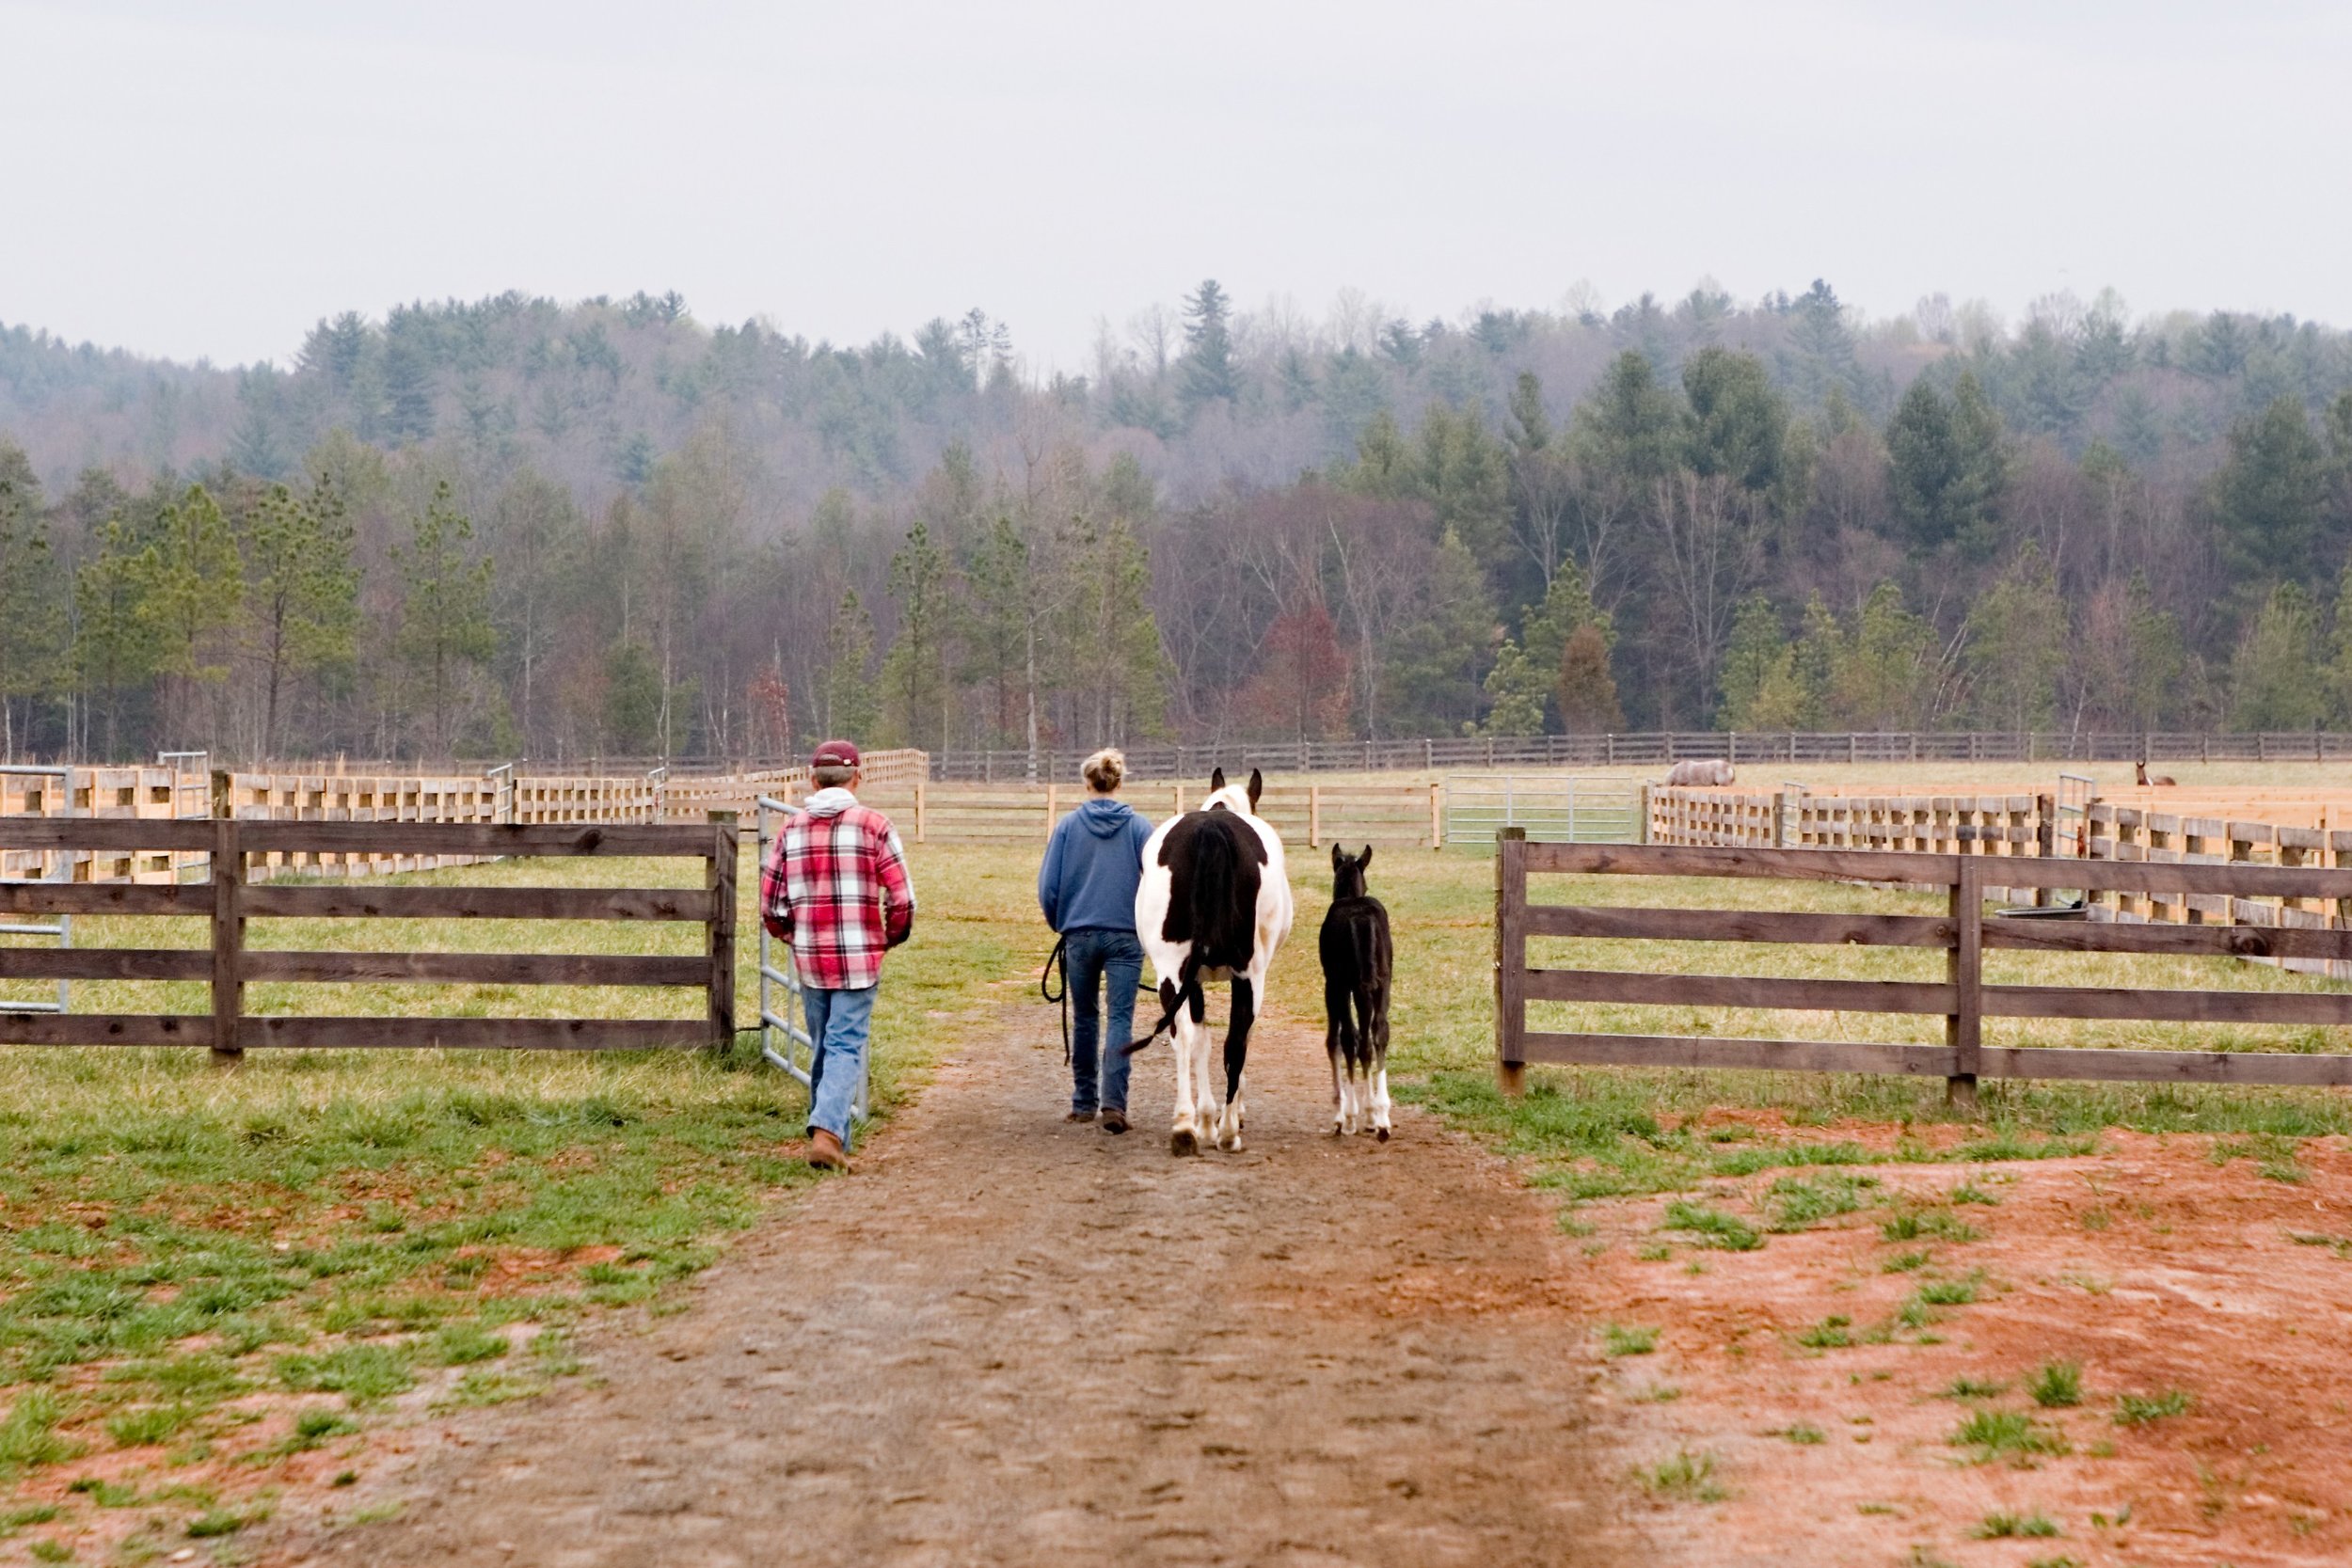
1087,887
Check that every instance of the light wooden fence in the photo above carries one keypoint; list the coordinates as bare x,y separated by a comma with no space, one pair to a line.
1314,815
2027,825
1962,999
226,900
164,794
1654,748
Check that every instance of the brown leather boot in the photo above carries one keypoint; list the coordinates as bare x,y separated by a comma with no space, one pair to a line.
825,1152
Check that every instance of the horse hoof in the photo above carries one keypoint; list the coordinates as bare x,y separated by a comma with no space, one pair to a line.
1381,1134
1183,1142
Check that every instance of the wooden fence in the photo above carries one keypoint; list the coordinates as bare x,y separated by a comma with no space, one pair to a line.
1314,815
226,900
2298,831
1653,748
1962,999
165,794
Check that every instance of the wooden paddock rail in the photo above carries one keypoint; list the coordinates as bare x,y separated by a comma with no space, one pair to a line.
229,901
1962,998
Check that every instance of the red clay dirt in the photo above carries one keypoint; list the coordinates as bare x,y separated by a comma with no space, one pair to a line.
2150,1265
1011,1340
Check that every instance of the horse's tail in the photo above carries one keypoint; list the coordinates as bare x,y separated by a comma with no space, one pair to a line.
1173,998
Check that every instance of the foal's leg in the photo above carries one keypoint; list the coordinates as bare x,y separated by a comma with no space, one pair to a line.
1334,1036
1376,1056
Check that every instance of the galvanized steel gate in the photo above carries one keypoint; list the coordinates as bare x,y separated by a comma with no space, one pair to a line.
1551,807
784,1035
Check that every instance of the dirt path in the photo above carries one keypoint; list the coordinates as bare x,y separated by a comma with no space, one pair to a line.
1008,1341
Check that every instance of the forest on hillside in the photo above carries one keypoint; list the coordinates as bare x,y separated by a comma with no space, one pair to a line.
514,528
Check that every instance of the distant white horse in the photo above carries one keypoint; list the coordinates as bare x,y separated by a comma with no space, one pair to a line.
1214,905
1702,771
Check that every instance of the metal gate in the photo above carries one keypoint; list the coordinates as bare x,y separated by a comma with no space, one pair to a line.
184,782
1552,807
60,869
783,1034
2071,835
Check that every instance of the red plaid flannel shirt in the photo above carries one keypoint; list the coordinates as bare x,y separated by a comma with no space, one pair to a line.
836,888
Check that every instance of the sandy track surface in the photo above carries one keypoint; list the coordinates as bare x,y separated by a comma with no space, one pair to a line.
1008,1340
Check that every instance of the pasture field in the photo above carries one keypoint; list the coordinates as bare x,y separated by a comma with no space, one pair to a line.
218,1286
209,1280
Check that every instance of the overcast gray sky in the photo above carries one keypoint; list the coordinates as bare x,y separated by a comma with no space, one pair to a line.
209,180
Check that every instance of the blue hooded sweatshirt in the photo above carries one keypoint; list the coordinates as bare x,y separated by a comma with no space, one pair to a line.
1093,864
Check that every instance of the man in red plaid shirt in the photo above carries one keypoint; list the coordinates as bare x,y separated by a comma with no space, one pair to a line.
836,887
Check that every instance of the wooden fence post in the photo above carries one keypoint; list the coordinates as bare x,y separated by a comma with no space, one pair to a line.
1437,814
720,880
1314,816
228,939
922,811
1964,1028
1510,959
1050,812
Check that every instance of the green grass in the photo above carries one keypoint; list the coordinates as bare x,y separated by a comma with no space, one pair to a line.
1910,1225
2057,1384
352,1221
1966,1388
1829,1334
1803,1434
2006,1435
1796,1202
2137,1410
1623,1340
1712,1227
149,1424
2004,1526
1600,1133
1685,1477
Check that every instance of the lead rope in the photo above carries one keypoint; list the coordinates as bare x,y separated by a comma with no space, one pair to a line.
1058,959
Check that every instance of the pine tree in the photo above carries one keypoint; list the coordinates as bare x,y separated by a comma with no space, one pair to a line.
445,628
116,645
2270,494
914,675
1116,662
1760,685
1001,626
1432,661
409,393
31,619
302,591
192,592
1208,373
850,710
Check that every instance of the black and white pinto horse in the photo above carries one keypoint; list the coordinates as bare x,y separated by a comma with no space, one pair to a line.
1214,905
1359,968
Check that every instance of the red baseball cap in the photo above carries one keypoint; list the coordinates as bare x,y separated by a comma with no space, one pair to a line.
835,753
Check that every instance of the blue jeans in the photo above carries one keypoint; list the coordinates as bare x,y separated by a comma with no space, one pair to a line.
1091,956
837,1022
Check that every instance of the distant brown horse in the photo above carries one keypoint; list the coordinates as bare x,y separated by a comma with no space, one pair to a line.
2160,781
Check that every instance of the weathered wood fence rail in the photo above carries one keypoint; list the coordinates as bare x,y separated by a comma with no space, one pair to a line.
1654,749
1962,999
228,902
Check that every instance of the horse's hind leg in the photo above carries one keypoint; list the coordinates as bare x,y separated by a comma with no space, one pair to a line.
1236,1055
1182,1137
1336,1037
1376,1057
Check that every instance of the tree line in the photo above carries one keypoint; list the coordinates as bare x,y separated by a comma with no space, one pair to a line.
513,529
